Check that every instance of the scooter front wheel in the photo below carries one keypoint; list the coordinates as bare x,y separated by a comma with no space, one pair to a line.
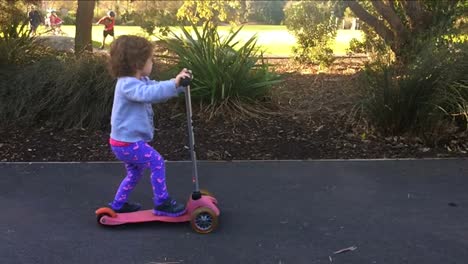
204,220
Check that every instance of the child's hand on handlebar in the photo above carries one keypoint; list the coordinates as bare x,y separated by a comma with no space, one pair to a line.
183,74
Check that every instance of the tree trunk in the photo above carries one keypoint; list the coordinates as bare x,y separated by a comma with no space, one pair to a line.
376,24
84,21
389,14
396,34
418,17
391,27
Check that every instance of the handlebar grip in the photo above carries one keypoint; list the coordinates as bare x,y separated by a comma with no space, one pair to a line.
184,82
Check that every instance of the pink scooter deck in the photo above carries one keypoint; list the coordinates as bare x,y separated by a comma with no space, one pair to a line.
142,216
107,216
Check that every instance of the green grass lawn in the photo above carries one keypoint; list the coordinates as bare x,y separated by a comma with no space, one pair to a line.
276,40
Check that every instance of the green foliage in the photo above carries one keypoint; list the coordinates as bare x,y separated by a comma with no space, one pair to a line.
82,93
444,16
225,70
16,45
70,19
61,91
156,16
453,103
267,12
13,21
451,98
372,44
213,11
418,82
314,27
20,51
422,98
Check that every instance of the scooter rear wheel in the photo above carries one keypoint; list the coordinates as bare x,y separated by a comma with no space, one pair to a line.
100,220
204,220
104,211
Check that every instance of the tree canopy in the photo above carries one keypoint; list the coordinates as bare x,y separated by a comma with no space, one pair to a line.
212,10
400,25
403,25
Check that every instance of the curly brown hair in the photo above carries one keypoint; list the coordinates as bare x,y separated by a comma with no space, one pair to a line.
129,54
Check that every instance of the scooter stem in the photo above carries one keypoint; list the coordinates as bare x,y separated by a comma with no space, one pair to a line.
188,105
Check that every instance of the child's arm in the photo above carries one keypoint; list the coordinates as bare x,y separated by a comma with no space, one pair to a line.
100,20
179,89
150,92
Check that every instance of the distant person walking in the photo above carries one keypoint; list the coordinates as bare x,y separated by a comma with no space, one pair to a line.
35,19
108,21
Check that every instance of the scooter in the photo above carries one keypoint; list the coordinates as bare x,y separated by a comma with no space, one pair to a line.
202,206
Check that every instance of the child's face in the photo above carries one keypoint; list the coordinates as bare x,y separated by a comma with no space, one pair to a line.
148,67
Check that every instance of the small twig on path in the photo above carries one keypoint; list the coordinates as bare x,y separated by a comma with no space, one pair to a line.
345,250
170,262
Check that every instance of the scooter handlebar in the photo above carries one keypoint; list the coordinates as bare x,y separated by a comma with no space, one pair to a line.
184,82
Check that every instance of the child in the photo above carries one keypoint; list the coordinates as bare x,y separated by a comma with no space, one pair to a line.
55,23
108,22
132,122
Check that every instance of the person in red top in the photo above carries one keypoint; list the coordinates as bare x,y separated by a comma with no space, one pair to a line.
108,22
55,23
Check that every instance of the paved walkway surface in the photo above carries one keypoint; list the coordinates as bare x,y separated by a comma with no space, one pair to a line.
272,212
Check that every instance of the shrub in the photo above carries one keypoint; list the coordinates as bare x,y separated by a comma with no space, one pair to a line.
39,85
13,22
314,28
265,12
16,46
83,94
157,18
422,98
69,20
226,72
64,92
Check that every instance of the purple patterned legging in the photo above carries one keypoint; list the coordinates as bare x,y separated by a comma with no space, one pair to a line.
137,157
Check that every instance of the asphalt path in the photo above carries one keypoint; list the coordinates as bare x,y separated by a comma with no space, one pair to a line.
406,211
